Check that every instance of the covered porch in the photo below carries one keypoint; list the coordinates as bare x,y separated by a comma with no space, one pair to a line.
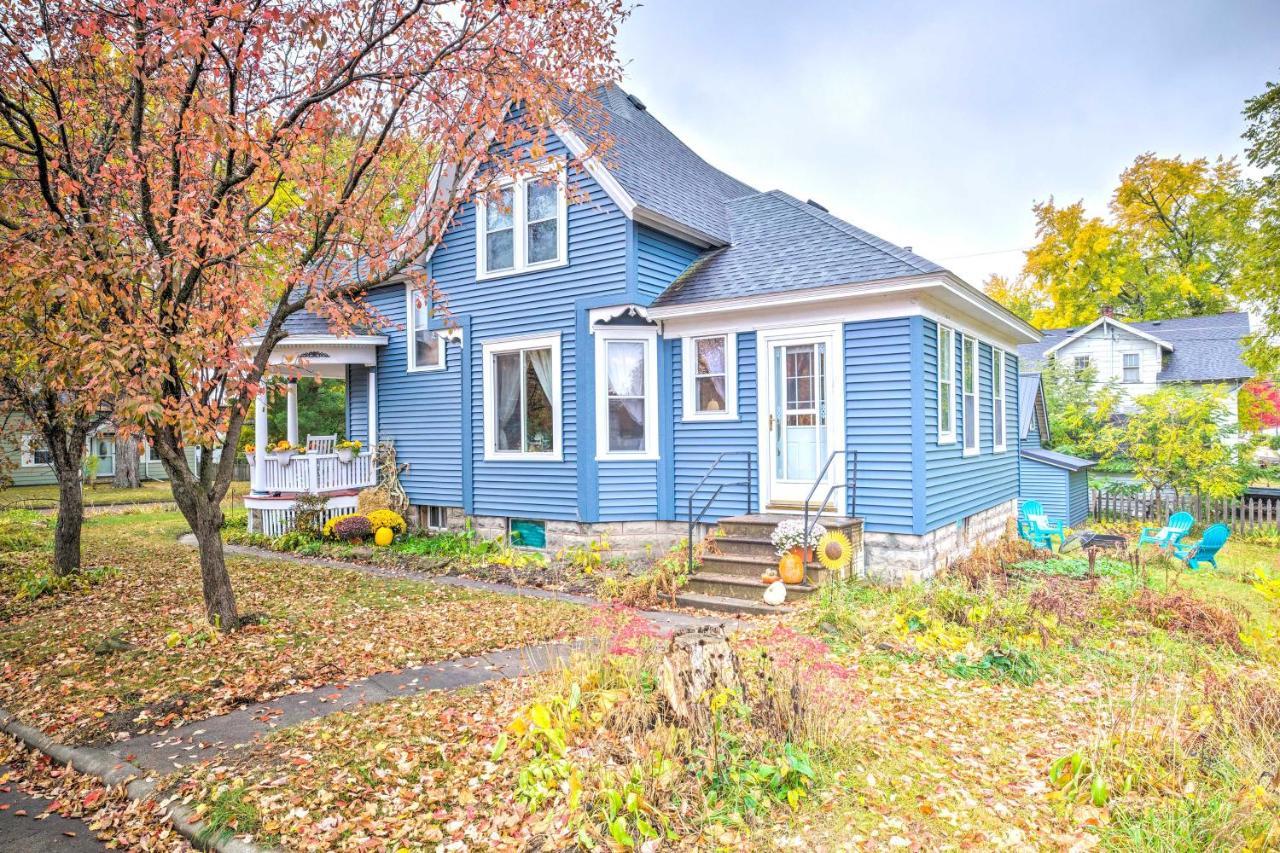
314,465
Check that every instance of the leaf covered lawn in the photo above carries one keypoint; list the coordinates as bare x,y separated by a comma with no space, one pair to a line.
132,652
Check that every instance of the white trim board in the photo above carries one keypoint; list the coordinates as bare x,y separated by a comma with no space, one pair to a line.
688,408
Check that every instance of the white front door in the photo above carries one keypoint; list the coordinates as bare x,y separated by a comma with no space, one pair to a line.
802,416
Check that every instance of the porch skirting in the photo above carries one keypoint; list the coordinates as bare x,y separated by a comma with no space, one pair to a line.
907,558
274,516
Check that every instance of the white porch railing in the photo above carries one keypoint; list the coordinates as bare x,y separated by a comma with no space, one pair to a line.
313,472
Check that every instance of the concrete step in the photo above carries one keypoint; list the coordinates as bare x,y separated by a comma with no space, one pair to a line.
744,546
720,604
735,586
751,568
760,525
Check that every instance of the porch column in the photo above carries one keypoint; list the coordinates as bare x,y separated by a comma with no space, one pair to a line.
373,409
260,439
291,417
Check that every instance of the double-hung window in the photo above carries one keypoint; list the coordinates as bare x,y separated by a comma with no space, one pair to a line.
1082,363
626,391
946,385
426,345
969,388
34,452
522,398
997,398
710,377
1132,368
521,227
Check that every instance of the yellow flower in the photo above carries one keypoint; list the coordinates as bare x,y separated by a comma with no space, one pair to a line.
834,550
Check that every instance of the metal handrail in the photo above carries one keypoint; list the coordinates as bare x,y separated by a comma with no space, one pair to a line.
707,504
851,483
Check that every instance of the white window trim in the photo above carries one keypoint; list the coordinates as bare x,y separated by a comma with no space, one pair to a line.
435,527
689,394
977,386
28,459
947,435
411,357
1123,368
649,337
519,209
999,391
491,348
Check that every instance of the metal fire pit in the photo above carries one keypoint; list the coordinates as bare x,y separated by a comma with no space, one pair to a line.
1089,539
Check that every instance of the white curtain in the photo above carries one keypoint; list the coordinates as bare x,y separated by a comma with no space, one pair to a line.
507,385
540,359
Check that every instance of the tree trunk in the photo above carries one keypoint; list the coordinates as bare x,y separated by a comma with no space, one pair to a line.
66,534
126,475
205,517
66,467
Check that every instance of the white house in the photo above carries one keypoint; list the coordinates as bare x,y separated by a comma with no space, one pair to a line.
1141,357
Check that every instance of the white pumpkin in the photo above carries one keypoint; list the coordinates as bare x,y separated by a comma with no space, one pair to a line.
776,593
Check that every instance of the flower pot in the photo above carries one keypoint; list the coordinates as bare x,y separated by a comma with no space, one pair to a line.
249,457
284,457
345,454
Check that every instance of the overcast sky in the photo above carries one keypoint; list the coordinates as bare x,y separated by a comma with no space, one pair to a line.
936,124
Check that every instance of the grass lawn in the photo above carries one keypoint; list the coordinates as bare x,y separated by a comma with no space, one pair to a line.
128,649
992,708
153,491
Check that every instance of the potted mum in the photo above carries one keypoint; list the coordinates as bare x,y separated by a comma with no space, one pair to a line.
789,536
347,450
285,451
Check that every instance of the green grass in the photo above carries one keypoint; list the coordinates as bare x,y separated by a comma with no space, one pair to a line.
104,495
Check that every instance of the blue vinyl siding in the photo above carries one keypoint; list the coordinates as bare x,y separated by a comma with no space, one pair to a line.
629,491
358,402
957,486
659,260
698,443
1047,484
1033,435
533,303
1077,497
878,420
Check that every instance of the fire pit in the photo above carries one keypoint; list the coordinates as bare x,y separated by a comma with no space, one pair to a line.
1089,539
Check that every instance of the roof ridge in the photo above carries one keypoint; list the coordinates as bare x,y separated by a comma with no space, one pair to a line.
849,229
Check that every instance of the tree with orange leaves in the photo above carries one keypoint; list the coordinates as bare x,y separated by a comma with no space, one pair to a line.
192,173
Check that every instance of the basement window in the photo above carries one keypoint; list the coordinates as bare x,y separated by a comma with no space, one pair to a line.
527,533
437,518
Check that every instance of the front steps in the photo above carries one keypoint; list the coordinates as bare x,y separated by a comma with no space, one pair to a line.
729,579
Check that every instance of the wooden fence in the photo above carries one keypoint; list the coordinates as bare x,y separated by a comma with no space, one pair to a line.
1242,514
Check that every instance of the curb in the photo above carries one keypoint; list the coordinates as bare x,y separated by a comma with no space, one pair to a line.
113,771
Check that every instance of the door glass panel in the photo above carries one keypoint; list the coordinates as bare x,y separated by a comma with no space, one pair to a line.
800,411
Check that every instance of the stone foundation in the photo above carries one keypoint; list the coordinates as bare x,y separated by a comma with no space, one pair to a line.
626,538
907,558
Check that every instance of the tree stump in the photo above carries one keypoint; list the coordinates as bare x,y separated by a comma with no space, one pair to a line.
698,662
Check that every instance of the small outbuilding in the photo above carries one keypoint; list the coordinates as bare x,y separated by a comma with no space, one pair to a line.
1058,481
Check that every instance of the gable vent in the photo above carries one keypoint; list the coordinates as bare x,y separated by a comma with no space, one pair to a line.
815,204
637,103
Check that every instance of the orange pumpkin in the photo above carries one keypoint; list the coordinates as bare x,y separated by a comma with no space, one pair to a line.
791,567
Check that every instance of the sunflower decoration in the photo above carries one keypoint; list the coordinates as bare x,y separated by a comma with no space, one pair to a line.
834,550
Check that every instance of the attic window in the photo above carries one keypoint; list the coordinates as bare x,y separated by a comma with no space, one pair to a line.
522,227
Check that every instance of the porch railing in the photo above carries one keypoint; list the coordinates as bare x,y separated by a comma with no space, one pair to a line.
313,472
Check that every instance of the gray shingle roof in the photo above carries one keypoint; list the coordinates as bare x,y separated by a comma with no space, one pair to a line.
306,322
1056,459
1205,349
660,172
780,243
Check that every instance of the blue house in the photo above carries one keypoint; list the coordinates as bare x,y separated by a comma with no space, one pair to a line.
602,355
1059,481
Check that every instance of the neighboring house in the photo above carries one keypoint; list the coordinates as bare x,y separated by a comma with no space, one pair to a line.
1143,356
602,356
1059,481
29,463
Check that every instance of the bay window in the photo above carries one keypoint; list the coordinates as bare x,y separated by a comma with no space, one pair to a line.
626,392
522,227
522,398
425,345
710,377
969,389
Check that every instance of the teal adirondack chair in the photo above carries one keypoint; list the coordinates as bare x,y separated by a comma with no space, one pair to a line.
1177,527
1206,550
1035,527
